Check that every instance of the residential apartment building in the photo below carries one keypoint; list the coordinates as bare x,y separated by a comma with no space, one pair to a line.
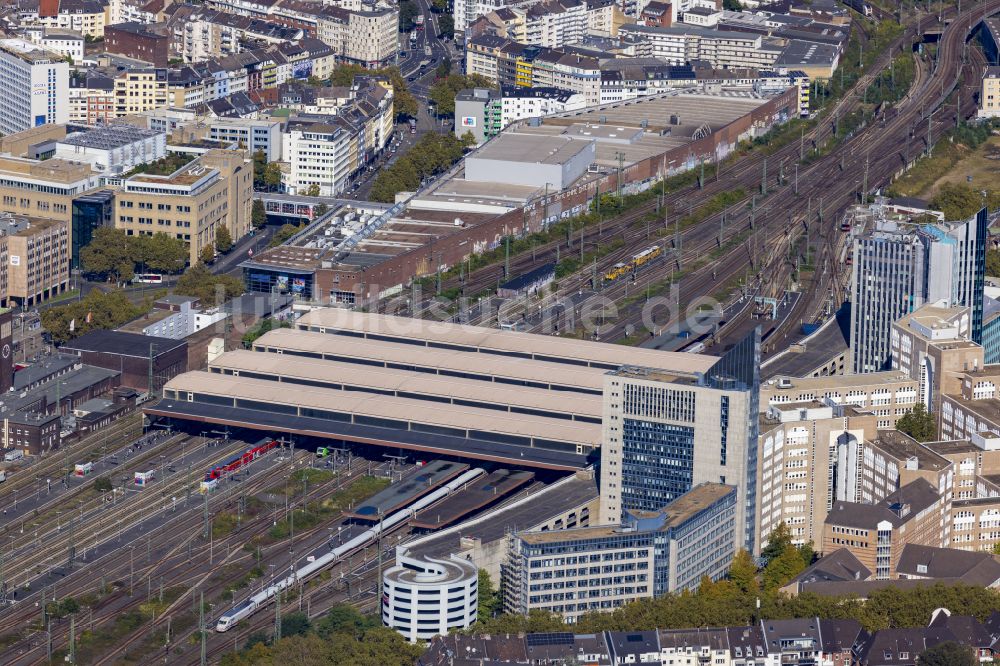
191,204
555,23
35,84
805,641
511,63
141,90
67,43
932,345
207,34
88,17
575,571
91,99
898,267
146,42
486,111
876,533
663,434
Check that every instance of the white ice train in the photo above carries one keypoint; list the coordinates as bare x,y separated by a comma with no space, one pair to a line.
250,606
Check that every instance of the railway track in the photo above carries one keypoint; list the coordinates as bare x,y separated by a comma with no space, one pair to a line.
823,177
183,558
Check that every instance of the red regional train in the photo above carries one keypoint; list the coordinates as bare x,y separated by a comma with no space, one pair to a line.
251,454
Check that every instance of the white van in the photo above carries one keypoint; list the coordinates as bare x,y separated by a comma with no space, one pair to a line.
12,456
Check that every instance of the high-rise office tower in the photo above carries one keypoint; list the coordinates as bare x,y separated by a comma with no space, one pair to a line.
900,266
666,432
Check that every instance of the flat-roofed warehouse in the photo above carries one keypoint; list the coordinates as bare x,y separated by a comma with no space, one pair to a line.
445,389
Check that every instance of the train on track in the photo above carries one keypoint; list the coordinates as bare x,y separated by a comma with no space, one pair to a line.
213,475
251,605
641,259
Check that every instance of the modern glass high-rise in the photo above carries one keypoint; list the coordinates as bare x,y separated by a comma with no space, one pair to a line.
666,432
900,266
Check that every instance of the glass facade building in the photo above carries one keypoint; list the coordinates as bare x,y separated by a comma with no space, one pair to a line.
90,211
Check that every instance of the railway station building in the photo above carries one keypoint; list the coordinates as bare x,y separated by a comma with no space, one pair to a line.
659,422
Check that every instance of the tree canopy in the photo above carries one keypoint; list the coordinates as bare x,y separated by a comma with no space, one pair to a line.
445,88
430,155
918,423
258,216
266,175
115,256
223,240
343,637
96,310
207,287
948,653
957,201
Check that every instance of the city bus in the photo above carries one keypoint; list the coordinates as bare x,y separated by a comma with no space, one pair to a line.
148,278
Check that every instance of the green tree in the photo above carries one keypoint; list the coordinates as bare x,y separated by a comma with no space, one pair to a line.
408,11
259,167
207,254
948,653
102,484
109,255
223,240
489,597
918,423
96,310
443,69
320,210
743,573
344,619
732,5
777,542
258,216
160,252
445,88
272,177
446,26
312,191
957,201
208,288
283,234
993,263
783,568
295,624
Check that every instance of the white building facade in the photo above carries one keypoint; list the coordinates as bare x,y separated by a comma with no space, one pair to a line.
35,84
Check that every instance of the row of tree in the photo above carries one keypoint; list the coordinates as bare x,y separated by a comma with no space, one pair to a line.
343,637
432,154
115,256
